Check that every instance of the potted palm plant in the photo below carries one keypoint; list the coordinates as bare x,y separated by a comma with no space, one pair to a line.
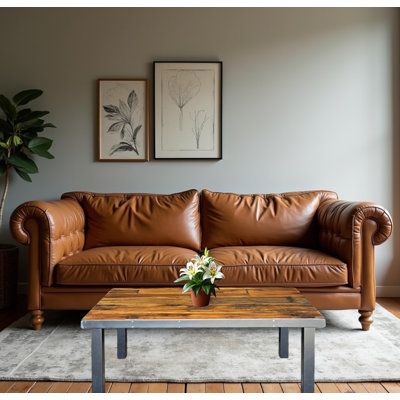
200,275
20,139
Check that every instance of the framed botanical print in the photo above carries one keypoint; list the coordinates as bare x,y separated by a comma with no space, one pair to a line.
187,110
123,120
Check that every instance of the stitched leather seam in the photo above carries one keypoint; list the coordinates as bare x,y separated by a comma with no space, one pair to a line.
255,284
286,265
119,265
182,265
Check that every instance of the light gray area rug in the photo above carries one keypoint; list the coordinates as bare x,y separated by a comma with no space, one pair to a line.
61,351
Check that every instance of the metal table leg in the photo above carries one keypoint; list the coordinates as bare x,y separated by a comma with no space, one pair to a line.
121,343
307,359
283,342
98,361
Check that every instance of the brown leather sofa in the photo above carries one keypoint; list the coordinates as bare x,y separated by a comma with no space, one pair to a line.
86,243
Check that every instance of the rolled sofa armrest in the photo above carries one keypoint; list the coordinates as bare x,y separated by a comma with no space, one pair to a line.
349,230
53,230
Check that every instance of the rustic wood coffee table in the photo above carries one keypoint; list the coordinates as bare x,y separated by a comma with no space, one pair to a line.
282,308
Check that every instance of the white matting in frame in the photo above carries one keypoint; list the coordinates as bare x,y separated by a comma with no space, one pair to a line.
188,110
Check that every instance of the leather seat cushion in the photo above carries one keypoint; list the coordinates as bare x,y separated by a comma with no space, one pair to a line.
123,265
279,266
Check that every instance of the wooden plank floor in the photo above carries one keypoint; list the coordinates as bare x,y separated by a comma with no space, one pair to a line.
165,387
391,304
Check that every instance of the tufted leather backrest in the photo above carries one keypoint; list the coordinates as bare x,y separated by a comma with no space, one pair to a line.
285,219
141,219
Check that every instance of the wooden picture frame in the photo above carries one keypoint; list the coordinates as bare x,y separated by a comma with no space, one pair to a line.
123,115
187,110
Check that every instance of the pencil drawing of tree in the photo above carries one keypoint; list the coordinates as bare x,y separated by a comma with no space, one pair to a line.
199,119
123,122
182,87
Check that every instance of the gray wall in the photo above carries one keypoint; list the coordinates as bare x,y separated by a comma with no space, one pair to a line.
309,99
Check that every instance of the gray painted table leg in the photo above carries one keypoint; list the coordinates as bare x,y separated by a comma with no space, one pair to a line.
121,343
98,361
283,342
307,359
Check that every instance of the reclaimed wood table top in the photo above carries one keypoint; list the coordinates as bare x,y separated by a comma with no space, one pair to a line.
232,307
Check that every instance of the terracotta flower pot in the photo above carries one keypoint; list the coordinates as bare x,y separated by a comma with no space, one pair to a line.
201,300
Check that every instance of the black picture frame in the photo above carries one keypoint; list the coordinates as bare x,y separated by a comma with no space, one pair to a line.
218,120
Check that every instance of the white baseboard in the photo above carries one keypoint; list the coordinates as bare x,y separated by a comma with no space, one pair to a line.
388,291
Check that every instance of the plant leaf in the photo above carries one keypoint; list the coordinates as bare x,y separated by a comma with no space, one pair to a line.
116,126
5,126
23,112
23,162
8,108
182,278
196,290
187,287
16,140
111,109
30,116
45,154
28,135
23,174
132,100
48,125
39,144
207,288
26,96
35,123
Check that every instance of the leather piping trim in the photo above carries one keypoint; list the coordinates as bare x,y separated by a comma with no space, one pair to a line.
283,265
182,265
119,265
162,284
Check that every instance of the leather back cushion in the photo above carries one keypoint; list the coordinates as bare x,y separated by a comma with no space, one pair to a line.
255,219
141,219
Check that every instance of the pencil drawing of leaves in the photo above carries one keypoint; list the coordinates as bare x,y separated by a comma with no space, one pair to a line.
116,126
132,100
199,119
182,87
123,146
124,123
135,132
122,133
112,116
111,109
124,111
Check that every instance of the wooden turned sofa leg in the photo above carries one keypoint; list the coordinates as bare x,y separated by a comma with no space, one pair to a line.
365,319
37,319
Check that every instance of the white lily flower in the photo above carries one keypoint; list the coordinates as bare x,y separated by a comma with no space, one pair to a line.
191,270
206,260
198,260
213,272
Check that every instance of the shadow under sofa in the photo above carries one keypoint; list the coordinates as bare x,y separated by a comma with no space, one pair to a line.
81,246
